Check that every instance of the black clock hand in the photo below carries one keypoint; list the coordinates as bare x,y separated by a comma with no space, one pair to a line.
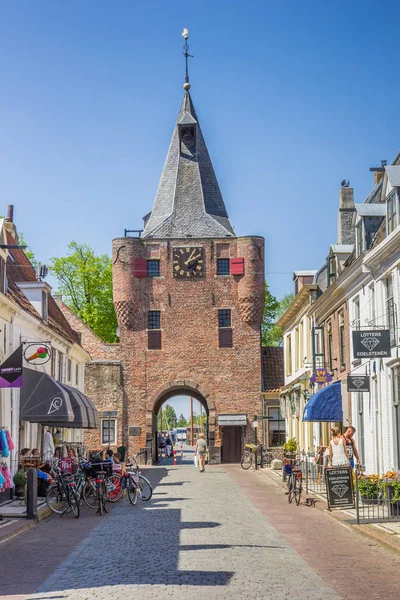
194,265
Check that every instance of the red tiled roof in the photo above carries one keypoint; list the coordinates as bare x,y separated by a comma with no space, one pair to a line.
273,368
19,268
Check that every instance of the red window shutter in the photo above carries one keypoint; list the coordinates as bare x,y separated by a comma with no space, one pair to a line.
237,266
140,267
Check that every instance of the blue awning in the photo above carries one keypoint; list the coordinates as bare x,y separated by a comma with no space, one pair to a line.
325,405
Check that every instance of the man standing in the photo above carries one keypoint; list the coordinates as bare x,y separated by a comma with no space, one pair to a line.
350,445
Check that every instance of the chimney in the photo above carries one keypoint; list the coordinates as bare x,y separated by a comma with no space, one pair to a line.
346,233
10,213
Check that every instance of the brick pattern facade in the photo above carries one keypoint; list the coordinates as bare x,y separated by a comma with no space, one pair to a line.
339,367
225,380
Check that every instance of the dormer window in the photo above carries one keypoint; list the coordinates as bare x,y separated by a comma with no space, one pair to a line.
392,212
331,269
37,292
188,139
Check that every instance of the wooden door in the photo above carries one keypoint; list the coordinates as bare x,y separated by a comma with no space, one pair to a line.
232,444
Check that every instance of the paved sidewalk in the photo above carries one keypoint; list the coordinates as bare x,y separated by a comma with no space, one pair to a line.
200,535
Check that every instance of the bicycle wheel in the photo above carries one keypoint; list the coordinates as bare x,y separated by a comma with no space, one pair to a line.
146,491
298,493
74,502
247,460
292,489
132,493
90,494
56,500
114,489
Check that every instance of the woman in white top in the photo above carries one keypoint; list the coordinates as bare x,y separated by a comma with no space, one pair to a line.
337,450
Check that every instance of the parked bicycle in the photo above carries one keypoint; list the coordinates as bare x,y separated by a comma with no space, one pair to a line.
112,483
295,484
61,495
249,457
136,484
101,492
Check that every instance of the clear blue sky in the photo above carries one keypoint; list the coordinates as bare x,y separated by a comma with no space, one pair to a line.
293,96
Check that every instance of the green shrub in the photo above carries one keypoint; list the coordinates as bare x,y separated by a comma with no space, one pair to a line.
19,478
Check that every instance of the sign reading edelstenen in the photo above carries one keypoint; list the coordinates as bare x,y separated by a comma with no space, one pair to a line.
358,383
371,343
339,485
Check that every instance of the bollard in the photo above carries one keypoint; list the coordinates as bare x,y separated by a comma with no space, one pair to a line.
31,494
181,451
175,457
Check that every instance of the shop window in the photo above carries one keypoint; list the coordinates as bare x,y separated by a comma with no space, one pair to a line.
223,266
396,413
109,431
153,268
276,427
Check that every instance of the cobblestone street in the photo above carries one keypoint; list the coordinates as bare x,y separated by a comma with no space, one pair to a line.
224,534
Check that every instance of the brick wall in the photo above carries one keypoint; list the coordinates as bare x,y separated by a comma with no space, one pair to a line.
226,380
339,372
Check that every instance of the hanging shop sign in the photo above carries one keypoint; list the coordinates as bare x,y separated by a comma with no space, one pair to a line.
339,485
11,370
358,383
37,354
371,343
321,376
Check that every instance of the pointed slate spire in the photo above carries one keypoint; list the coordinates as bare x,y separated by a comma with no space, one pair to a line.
188,202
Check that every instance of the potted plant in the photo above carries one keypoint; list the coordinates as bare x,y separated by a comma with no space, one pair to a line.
19,481
290,448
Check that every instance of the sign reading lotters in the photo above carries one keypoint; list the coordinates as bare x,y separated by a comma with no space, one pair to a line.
358,383
372,343
339,485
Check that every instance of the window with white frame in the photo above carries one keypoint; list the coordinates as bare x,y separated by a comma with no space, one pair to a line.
356,312
109,432
60,366
276,427
69,369
77,374
372,305
390,309
392,211
396,413
359,237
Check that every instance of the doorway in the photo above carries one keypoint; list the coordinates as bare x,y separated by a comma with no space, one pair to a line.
232,444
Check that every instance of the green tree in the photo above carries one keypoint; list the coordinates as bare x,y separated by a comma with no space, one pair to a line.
273,310
85,281
170,416
182,422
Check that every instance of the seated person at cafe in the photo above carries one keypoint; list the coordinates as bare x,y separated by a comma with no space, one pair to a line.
109,455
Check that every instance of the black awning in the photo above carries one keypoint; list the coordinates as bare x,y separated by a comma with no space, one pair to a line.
45,400
84,409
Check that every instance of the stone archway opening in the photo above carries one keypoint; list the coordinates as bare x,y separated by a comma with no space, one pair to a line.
173,390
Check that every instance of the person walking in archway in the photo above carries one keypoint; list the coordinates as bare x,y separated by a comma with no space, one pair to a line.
201,450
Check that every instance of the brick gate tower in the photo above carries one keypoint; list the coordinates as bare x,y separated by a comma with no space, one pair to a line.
189,298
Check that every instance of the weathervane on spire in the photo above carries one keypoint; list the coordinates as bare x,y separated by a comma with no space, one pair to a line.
185,35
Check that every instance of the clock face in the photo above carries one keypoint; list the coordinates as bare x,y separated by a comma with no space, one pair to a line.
188,262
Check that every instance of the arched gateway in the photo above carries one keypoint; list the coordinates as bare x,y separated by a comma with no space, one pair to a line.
170,390
189,298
